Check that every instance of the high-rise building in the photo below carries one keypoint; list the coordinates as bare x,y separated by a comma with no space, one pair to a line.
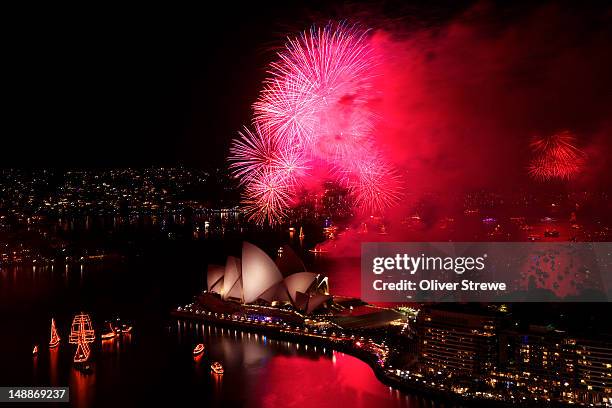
461,341
594,368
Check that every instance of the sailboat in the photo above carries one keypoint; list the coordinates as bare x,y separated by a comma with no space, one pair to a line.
55,338
83,351
81,334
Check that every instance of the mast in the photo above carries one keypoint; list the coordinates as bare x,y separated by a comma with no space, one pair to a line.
83,351
81,334
81,323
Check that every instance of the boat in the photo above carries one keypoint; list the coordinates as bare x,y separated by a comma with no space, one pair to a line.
318,249
551,233
55,338
110,333
82,352
216,367
81,324
35,350
198,349
82,334
85,368
125,328
121,328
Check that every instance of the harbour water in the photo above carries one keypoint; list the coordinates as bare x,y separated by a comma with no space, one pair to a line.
155,362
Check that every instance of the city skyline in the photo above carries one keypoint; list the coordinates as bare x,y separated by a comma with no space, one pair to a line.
398,204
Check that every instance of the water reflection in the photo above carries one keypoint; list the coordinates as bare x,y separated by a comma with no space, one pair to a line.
274,372
259,371
82,388
53,359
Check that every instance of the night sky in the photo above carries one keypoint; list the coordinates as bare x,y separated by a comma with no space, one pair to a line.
105,87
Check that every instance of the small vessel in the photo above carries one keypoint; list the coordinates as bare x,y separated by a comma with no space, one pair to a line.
83,351
85,368
551,233
35,350
55,338
82,334
121,328
216,367
318,249
109,333
198,349
125,328
81,324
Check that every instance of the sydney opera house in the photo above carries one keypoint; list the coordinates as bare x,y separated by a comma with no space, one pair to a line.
256,288
255,278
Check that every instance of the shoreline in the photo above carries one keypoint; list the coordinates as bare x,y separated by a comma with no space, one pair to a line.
345,345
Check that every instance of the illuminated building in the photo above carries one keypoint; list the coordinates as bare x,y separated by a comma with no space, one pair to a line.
459,343
594,368
255,277
551,364
539,360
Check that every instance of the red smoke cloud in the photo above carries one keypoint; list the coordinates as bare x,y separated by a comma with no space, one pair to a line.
459,102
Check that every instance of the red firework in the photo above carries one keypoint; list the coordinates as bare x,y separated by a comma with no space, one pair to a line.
314,109
268,197
251,154
376,187
556,157
320,87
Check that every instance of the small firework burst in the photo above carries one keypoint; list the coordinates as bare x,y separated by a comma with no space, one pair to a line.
376,187
556,157
267,197
251,154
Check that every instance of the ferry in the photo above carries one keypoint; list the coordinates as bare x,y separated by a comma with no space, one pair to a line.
216,367
199,349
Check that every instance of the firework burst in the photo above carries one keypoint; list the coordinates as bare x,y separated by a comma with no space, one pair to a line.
315,111
320,86
556,157
376,186
251,154
267,197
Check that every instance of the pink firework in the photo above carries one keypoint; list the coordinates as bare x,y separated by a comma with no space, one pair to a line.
292,164
376,186
556,157
267,197
320,89
315,113
251,154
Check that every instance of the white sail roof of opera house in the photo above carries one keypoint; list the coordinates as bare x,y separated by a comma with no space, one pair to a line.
259,272
299,282
232,287
214,278
256,276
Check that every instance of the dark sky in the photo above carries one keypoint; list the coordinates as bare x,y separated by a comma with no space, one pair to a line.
91,86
